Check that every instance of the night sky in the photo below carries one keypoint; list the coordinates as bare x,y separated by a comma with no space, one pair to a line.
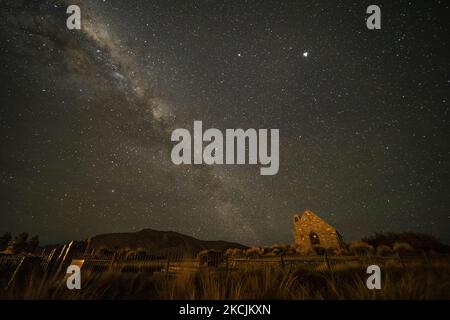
86,117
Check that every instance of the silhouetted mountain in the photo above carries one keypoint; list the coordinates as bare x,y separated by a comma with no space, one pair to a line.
157,242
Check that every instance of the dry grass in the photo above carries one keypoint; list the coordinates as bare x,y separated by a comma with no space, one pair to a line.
347,280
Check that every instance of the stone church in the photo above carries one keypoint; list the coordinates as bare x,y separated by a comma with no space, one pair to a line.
310,230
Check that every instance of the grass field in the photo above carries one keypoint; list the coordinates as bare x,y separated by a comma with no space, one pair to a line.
346,279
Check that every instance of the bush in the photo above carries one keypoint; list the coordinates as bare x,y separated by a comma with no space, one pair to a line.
254,252
141,253
104,251
319,250
419,241
303,251
331,251
5,240
203,253
122,253
233,252
32,244
384,250
403,248
361,248
342,252
279,249
19,244
132,255
291,250
309,252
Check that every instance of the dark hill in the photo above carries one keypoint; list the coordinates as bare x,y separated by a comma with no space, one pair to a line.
157,242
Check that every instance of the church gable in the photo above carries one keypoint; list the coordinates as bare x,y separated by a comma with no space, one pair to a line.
310,230
315,221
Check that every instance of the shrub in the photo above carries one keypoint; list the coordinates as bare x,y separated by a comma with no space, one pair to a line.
291,250
132,255
5,240
19,244
122,253
361,248
419,241
279,249
319,250
233,252
342,252
32,244
332,251
141,253
384,250
203,252
104,251
302,251
254,252
403,248
298,249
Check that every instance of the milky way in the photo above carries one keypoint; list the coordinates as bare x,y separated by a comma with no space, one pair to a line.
86,117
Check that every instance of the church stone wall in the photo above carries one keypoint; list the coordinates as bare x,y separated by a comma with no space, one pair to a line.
309,224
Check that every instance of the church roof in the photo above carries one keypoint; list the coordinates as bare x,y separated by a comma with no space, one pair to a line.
309,215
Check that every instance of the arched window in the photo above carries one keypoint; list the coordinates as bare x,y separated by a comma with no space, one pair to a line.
314,238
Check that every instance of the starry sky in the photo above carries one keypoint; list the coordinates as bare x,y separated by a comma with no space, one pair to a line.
86,117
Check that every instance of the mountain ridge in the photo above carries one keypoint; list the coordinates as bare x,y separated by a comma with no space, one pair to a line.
157,241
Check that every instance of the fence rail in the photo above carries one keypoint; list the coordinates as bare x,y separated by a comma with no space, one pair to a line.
53,263
56,262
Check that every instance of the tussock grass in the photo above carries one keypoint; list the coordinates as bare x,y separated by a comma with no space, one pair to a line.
346,280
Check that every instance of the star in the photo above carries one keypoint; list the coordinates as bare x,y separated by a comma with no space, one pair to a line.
112,99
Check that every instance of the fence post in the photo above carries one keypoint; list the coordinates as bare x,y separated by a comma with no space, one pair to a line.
113,259
330,269
426,258
282,260
401,260
226,261
167,265
327,261
428,262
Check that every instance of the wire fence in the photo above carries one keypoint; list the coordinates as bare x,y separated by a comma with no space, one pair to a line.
55,262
